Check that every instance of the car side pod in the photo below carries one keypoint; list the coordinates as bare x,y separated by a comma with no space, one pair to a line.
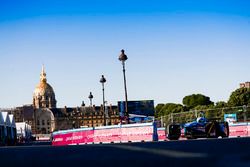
173,131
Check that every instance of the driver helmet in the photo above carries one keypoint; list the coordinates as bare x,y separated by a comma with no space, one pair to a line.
200,120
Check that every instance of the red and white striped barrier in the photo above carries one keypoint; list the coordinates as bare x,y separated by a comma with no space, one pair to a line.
128,133
161,134
107,134
239,130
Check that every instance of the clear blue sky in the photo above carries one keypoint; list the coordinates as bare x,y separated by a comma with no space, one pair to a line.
174,48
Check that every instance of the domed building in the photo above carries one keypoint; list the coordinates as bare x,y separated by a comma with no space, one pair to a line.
43,101
44,96
44,116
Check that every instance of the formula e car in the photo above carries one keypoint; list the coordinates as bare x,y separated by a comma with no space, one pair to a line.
200,128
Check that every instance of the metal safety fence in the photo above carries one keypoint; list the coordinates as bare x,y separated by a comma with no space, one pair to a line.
242,115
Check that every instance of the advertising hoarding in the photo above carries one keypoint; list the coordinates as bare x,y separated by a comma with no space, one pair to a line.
141,107
108,134
230,118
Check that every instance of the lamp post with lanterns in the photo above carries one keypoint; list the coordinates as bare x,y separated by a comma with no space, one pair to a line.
103,80
91,108
90,98
123,57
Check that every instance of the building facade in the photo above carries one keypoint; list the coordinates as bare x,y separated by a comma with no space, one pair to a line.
44,116
44,96
245,85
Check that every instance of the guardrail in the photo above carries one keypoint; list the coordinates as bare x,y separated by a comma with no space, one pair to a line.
128,133
106,134
241,129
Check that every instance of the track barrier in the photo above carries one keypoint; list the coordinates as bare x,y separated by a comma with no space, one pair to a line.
128,133
107,134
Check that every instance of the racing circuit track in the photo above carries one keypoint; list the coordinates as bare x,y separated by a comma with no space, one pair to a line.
231,152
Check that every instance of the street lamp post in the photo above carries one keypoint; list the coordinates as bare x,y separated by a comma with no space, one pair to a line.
123,58
90,98
103,80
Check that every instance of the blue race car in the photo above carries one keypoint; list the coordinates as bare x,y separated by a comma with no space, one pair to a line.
200,128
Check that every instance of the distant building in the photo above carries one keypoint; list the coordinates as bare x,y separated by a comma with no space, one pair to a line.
245,85
44,117
44,96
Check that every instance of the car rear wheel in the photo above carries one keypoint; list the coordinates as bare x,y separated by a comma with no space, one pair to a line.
190,138
226,130
211,130
173,131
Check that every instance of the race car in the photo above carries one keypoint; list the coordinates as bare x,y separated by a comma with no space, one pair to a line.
200,128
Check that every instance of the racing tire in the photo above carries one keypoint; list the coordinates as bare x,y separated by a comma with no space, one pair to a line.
226,130
212,128
191,138
173,138
173,131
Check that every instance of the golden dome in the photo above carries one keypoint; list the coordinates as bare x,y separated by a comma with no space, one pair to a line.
43,89
44,95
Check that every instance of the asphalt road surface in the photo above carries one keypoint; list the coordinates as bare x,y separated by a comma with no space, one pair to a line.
232,152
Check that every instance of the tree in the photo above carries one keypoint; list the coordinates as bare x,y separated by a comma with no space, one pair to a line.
220,104
239,97
203,107
168,108
173,108
158,109
194,100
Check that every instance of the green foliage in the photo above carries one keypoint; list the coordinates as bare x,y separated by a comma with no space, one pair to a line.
211,114
158,109
239,97
220,104
203,107
168,108
198,103
195,100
